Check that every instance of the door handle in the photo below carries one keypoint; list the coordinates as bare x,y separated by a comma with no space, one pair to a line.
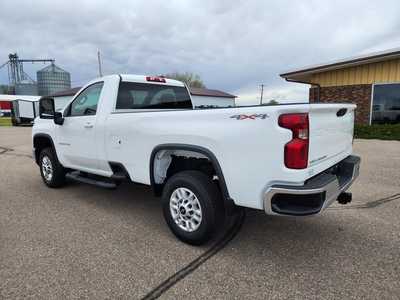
88,125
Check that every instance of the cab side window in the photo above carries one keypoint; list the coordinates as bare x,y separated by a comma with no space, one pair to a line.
86,103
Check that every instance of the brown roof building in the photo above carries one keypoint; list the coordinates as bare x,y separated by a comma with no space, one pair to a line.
69,92
193,91
371,81
201,98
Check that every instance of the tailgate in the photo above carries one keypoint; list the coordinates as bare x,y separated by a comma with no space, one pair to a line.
331,131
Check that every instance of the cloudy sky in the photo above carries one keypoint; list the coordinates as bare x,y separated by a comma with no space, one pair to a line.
233,45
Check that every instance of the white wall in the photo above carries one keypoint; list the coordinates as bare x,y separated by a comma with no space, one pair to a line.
214,101
61,102
4,97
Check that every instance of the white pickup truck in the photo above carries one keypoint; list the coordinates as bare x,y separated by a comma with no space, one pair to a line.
293,159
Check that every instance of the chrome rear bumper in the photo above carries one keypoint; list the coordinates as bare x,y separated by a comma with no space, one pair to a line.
316,194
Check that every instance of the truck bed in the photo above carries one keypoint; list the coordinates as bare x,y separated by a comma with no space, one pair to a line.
247,141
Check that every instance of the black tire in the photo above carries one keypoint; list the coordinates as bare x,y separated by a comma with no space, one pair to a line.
58,172
208,196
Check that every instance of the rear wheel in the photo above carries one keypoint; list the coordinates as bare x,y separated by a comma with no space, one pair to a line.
53,173
192,206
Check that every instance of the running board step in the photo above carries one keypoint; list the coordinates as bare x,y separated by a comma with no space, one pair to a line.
121,176
77,176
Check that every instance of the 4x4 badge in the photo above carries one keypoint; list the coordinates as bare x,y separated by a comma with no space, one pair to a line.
250,117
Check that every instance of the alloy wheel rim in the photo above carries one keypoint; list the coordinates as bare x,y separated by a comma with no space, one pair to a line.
47,168
185,209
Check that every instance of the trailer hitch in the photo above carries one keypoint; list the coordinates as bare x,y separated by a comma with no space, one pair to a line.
344,198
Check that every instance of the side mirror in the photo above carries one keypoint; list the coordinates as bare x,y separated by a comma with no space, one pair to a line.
58,118
47,111
46,108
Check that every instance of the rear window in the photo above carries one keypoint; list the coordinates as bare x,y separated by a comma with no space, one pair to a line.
152,96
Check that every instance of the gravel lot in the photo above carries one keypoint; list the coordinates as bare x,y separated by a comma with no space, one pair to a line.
84,242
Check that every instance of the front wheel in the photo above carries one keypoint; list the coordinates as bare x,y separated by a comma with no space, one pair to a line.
192,206
53,173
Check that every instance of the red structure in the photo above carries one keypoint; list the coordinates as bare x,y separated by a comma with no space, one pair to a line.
5,104
5,108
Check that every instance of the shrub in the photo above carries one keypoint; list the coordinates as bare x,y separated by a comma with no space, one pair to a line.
378,131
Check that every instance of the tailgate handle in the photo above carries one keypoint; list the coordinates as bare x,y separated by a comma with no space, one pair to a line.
341,112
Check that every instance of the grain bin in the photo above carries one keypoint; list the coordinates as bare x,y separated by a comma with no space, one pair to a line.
52,79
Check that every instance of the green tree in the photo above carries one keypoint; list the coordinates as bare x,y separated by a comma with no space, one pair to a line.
5,89
191,80
271,102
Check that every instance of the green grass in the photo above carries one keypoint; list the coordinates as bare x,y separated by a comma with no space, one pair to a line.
378,131
5,121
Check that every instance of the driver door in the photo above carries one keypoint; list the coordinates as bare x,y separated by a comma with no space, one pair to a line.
76,138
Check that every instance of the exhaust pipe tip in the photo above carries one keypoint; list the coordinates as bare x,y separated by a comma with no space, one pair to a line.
345,198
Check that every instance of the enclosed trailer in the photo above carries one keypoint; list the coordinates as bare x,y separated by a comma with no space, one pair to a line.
24,111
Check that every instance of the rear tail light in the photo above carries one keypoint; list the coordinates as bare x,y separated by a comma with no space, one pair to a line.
156,79
296,151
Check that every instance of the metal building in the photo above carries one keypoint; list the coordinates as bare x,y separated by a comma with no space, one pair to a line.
26,88
52,79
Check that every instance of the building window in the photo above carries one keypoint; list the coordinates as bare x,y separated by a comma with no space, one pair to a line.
386,103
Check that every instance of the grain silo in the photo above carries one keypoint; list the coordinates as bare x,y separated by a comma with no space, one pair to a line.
52,79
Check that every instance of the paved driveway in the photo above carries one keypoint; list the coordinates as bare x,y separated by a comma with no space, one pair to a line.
84,242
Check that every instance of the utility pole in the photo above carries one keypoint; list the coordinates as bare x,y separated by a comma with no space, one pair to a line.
99,61
262,93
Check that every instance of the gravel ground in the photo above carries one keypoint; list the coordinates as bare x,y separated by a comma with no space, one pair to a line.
84,242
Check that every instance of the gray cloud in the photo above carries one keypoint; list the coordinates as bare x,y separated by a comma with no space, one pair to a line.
233,45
